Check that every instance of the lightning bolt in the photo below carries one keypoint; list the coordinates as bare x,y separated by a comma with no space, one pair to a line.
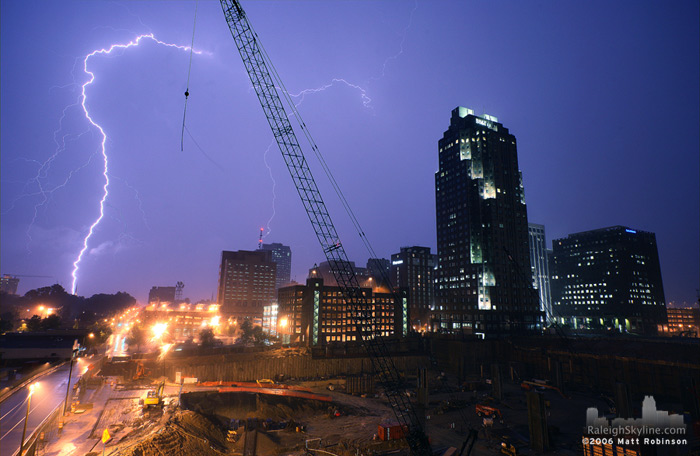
103,150
274,184
403,40
366,100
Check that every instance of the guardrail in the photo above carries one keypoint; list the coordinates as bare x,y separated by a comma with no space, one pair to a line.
31,379
45,431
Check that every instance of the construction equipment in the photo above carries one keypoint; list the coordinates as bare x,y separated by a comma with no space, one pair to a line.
266,81
488,411
154,398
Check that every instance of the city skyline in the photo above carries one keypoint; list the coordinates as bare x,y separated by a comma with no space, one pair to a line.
595,146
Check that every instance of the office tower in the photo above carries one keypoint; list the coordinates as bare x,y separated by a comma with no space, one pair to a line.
9,284
539,264
246,283
483,282
412,269
161,294
317,314
608,278
282,256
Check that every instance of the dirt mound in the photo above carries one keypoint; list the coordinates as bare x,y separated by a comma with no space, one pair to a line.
186,433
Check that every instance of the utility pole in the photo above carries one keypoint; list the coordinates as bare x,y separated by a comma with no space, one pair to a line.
26,418
70,373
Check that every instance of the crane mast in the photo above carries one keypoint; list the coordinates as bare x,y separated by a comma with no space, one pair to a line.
263,80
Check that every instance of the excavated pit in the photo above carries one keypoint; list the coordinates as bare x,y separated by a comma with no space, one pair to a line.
242,405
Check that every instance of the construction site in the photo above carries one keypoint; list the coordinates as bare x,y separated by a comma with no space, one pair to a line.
474,407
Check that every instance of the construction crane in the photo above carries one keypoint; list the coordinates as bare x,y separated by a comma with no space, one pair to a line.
266,81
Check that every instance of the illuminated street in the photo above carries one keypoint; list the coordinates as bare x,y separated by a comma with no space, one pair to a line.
50,392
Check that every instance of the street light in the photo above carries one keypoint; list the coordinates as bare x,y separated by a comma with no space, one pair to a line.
70,373
26,417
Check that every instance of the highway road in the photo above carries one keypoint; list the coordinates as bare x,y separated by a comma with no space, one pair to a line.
48,394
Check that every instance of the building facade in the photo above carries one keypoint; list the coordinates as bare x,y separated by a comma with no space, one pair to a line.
608,278
539,264
246,283
412,269
282,256
9,284
184,320
483,283
161,294
317,314
380,269
324,271
683,321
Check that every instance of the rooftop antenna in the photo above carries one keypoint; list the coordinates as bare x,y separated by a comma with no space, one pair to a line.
260,239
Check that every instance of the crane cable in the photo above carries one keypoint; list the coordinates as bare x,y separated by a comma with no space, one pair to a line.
189,71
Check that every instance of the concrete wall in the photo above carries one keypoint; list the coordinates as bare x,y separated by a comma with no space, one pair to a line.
251,368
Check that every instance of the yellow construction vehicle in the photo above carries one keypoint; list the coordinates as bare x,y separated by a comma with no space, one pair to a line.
154,398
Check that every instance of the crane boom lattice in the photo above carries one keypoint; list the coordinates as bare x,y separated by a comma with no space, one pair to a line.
265,83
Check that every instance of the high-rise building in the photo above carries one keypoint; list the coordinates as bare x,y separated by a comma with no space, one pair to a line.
317,314
161,294
608,278
539,264
483,277
412,269
9,284
246,283
282,256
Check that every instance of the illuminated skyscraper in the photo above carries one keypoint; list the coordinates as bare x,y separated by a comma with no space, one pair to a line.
608,278
483,279
246,283
282,256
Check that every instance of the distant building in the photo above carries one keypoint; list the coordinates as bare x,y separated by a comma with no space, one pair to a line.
282,256
684,320
316,314
161,294
608,278
323,270
482,283
379,269
9,284
246,283
269,320
413,269
184,320
539,264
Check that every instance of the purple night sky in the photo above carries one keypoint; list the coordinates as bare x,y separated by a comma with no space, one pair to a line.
602,97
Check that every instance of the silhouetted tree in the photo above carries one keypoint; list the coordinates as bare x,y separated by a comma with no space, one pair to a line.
246,331
137,336
51,322
206,338
34,324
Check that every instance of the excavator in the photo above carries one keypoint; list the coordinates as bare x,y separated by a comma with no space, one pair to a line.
154,398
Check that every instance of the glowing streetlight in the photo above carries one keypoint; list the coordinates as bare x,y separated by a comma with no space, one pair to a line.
283,322
159,329
32,387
